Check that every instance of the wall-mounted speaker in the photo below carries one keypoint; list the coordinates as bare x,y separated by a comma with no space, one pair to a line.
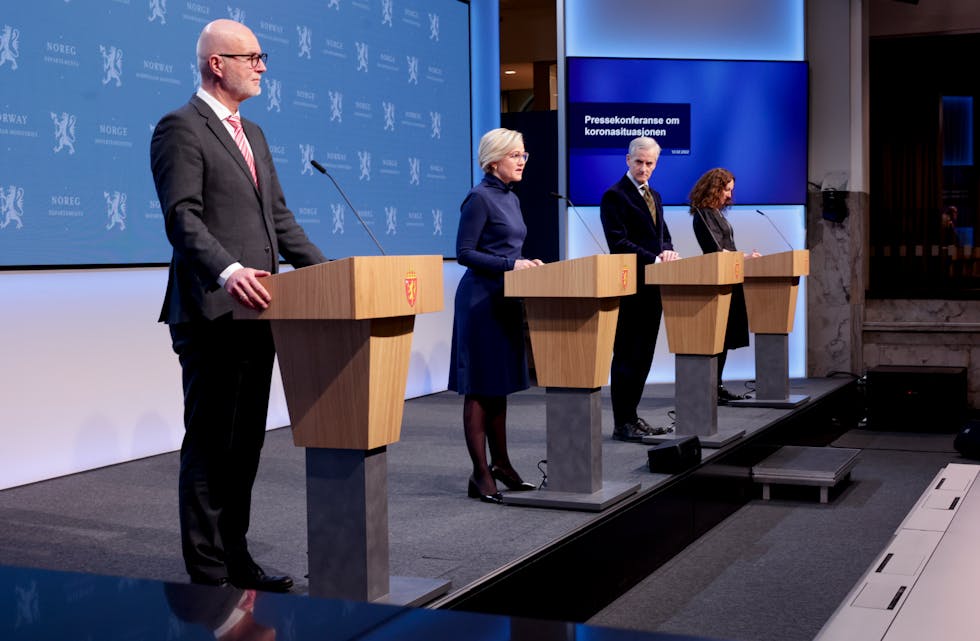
834,205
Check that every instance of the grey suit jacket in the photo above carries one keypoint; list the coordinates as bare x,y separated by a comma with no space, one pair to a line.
213,212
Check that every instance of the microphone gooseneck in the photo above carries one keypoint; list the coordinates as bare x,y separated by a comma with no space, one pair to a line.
704,221
555,194
788,244
320,168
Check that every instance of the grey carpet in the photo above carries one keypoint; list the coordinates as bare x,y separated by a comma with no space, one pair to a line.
122,520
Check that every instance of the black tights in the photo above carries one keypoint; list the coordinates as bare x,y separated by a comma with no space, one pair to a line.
721,364
485,423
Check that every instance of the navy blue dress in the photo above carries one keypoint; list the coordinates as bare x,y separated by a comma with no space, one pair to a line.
488,355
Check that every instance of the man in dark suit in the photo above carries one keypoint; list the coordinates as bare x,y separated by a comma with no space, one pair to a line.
228,226
633,220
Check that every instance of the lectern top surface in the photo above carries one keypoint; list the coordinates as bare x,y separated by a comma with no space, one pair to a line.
597,276
718,268
355,288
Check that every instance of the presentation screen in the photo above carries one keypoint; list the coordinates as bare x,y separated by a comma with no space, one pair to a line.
747,116
376,91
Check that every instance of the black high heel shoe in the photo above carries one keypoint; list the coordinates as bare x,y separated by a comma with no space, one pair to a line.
511,479
474,492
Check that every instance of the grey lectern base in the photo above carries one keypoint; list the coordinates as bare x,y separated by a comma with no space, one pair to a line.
791,401
696,403
610,494
574,427
772,375
347,530
413,591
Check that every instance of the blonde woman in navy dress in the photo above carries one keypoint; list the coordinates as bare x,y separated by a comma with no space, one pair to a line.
488,360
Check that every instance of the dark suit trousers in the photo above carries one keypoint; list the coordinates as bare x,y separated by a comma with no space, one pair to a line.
636,338
227,370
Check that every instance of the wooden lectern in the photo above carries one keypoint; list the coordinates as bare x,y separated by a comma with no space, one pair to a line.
343,335
696,294
572,307
771,284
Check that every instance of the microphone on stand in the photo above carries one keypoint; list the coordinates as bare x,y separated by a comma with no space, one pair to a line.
555,194
320,168
788,244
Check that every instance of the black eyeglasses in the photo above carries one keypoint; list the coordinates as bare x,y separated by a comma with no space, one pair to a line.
252,58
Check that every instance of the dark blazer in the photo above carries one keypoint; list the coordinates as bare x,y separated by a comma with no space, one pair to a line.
713,231
213,212
629,227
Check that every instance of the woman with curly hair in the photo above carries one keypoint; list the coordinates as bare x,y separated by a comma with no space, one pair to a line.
709,198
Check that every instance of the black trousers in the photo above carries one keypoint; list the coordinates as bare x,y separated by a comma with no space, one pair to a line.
227,371
636,339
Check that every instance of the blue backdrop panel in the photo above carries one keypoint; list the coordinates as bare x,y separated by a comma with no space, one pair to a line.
377,91
747,116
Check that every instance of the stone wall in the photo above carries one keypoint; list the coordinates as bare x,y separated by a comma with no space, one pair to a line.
835,287
848,333
925,332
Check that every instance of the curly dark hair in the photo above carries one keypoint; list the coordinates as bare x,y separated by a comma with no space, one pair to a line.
707,191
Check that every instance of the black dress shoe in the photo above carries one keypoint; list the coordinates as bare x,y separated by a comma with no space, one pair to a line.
252,577
724,396
651,430
630,432
219,582
474,492
511,479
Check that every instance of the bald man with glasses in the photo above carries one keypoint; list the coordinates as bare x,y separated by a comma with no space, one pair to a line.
226,218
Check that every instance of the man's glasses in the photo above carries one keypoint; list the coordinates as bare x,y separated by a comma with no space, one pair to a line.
252,58
517,155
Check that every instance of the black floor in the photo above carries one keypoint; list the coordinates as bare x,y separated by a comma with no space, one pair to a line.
777,570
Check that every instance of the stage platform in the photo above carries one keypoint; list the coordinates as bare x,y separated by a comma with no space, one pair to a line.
521,561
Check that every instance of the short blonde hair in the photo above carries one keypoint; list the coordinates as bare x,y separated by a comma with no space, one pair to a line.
496,144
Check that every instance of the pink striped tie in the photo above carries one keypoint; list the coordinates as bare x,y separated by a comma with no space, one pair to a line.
236,124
